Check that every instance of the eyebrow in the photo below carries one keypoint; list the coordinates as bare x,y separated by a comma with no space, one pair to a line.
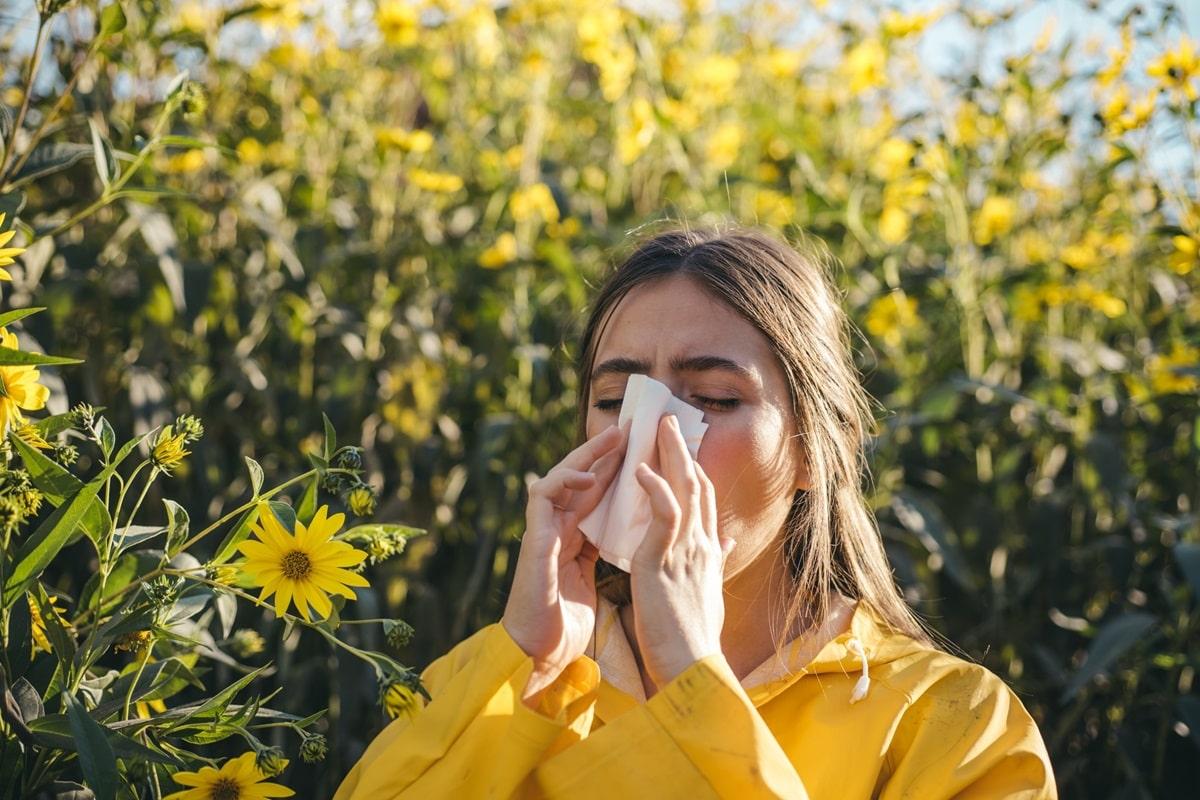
629,366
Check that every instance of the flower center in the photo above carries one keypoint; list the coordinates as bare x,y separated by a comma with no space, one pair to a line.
225,789
296,565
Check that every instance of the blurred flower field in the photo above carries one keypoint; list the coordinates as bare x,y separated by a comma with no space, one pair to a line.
252,232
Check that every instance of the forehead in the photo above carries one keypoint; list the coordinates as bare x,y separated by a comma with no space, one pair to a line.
677,316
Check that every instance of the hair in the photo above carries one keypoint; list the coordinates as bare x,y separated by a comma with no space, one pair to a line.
830,538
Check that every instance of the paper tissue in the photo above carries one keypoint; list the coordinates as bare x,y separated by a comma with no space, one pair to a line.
619,522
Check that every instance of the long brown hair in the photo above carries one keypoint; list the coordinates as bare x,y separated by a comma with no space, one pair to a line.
831,540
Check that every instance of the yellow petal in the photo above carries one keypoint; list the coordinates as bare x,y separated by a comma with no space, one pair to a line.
282,597
320,601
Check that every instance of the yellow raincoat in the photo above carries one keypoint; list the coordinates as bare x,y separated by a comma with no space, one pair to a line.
913,723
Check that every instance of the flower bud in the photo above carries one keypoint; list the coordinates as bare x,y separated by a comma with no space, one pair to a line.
270,761
314,748
397,632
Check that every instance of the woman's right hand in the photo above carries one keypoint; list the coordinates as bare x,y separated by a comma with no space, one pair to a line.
551,609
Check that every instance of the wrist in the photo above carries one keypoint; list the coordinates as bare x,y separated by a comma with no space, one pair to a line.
542,677
671,668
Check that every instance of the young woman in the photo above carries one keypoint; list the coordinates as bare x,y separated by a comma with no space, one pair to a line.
758,646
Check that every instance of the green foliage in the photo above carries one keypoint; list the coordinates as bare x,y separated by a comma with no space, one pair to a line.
399,227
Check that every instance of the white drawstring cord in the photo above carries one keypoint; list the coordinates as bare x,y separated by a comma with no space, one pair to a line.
864,683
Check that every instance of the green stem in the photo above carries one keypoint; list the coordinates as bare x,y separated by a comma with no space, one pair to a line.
136,678
110,191
369,657
78,621
51,115
149,480
35,61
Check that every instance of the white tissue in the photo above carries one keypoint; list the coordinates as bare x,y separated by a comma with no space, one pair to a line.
619,522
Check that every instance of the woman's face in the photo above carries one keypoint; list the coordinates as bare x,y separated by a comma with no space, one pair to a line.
749,449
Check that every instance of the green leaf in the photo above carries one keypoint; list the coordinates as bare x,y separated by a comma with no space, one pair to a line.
214,705
107,436
9,317
50,537
191,142
1187,556
22,358
102,155
228,546
125,571
54,730
1113,639
374,530
178,522
133,535
924,519
308,501
112,20
96,757
57,485
285,514
49,158
330,437
256,475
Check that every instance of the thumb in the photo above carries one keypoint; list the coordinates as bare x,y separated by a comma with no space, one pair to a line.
727,545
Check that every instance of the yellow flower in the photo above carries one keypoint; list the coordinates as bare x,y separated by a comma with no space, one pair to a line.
994,219
7,254
504,251
635,135
37,624
892,158
304,567
1178,69
435,181
1186,255
168,452
1084,254
361,501
533,201
715,77
894,224
889,316
418,141
18,389
397,699
237,779
186,162
724,144
898,25
398,21
1161,370
250,152
866,65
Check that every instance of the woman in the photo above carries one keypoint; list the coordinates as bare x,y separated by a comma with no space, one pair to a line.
758,647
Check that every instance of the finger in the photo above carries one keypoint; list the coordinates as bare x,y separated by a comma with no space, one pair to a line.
605,469
553,491
708,506
665,513
586,454
678,465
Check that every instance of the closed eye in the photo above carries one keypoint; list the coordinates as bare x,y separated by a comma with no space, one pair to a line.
712,403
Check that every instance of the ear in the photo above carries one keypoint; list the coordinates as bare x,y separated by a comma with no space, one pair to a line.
803,477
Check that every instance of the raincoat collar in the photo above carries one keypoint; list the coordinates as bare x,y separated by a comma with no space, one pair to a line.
621,683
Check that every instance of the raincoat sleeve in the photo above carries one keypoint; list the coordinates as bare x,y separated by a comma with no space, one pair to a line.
475,738
968,736
699,736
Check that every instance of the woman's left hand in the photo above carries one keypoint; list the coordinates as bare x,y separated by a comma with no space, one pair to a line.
677,573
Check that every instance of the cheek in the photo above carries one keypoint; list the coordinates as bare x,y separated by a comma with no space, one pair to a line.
748,465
